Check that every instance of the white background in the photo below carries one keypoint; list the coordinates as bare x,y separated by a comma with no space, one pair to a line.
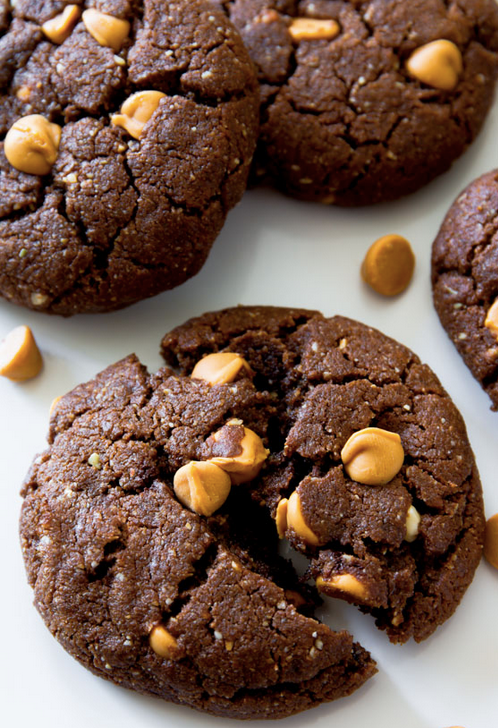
273,250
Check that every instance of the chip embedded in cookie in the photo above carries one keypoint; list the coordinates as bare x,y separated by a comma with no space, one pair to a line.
465,279
356,94
126,135
370,472
150,561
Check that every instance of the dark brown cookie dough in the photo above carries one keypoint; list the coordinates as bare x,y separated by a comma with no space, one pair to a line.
330,378
465,278
342,121
112,554
119,219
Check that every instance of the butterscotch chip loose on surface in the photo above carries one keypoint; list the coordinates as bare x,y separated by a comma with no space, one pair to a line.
491,541
32,144
20,356
373,456
220,368
202,486
127,198
388,265
60,27
438,64
106,29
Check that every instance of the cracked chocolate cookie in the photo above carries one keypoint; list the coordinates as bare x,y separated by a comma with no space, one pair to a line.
126,133
369,473
465,279
152,565
367,100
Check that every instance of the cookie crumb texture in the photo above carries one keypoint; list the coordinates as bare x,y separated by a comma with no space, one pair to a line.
343,120
198,611
465,278
201,610
118,219
409,547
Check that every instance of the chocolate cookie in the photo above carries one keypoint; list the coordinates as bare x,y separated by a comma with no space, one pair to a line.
367,100
465,279
370,472
198,610
126,134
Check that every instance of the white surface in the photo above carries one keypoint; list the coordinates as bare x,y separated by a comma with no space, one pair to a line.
272,250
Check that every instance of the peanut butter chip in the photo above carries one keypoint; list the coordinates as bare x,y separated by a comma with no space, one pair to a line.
281,517
388,265
220,368
248,463
313,29
491,321
32,144
491,541
136,111
295,520
164,644
346,583
438,64
202,486
60,27
54,404
20,358
106,29
373,456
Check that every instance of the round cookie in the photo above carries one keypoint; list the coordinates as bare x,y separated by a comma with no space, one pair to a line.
124,196
152,596
348,117
465,279
403,550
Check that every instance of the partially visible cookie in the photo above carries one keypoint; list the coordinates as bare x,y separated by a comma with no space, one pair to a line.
367,100
403,544
465,279
149,594
126,134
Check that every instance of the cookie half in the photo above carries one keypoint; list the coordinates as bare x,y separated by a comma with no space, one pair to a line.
126,134
198,610
465,279
403,547
350,116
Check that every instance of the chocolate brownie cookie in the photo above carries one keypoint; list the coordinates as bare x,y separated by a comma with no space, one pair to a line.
370,472
196,609
367,100
465,279
126,132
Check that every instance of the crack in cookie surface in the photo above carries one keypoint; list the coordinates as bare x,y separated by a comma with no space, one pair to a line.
158,201
329,379
342,120
112,555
